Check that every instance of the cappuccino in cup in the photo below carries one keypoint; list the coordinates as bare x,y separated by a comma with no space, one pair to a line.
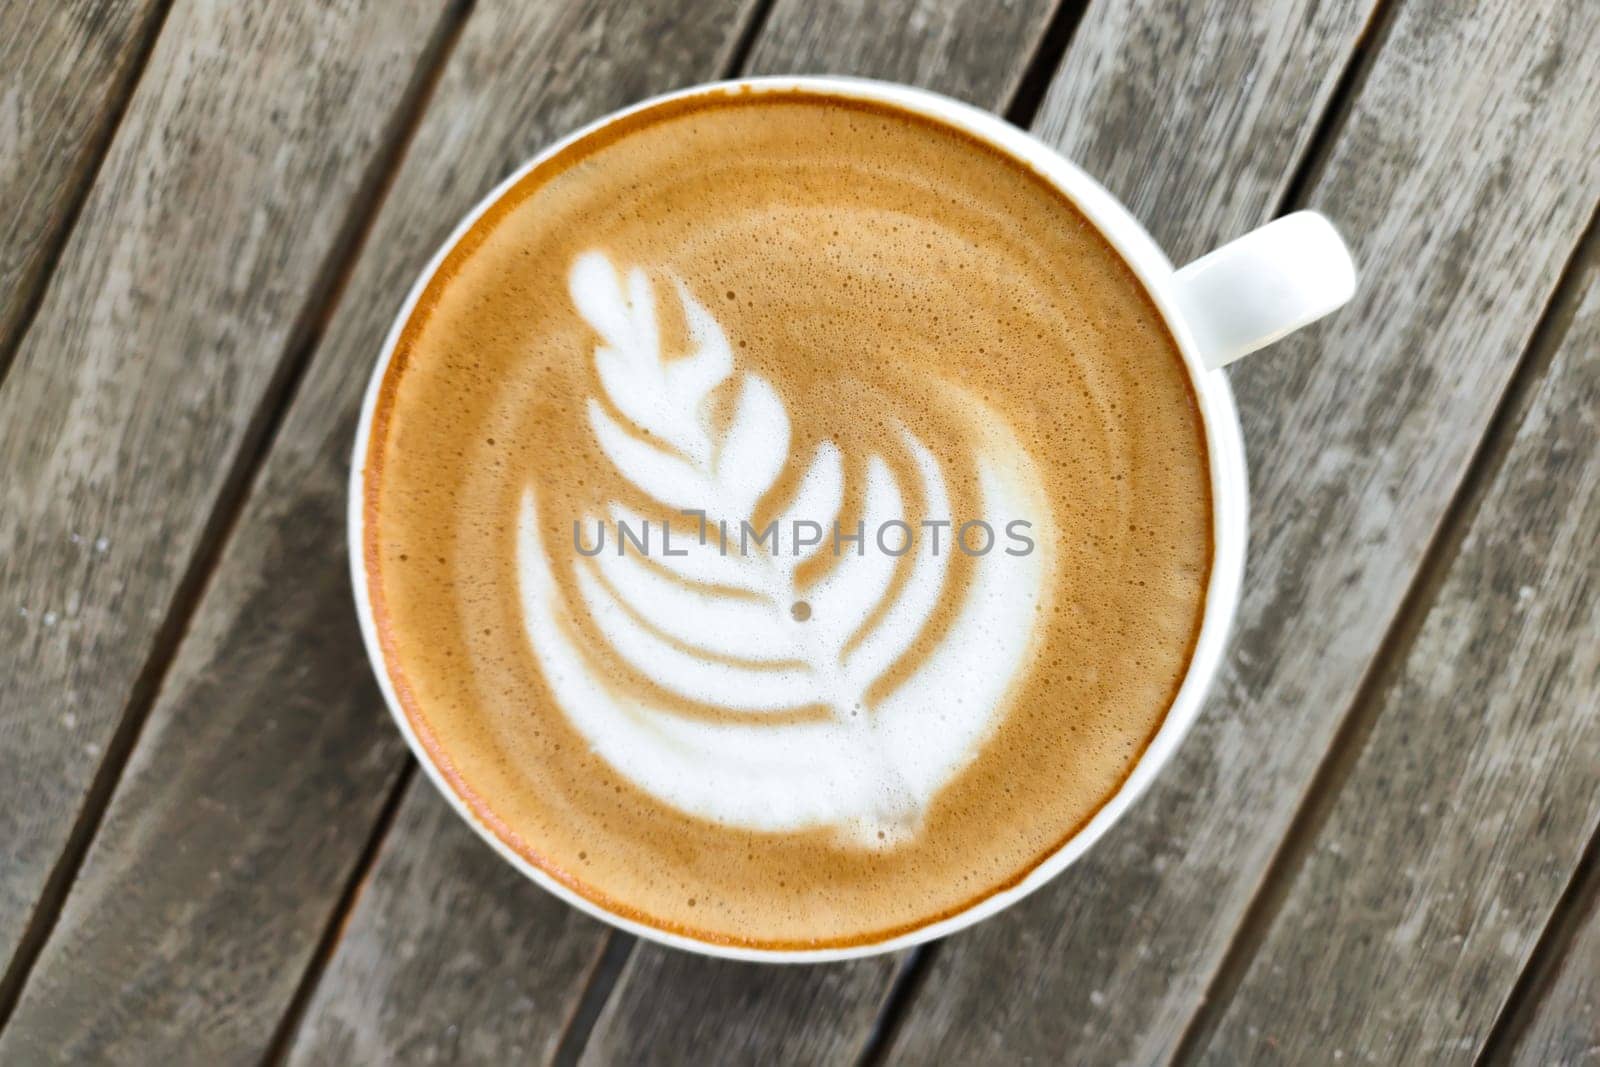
785,518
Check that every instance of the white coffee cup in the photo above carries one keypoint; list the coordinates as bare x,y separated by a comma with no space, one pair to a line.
1225,305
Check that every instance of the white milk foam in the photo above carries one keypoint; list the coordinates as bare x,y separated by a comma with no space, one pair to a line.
720,630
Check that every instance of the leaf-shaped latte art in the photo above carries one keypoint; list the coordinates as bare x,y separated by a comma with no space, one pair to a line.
719,632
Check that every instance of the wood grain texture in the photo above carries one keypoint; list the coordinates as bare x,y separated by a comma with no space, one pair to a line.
1564,1026
1195,115
977,52
1478,788
176,300
670,1007
268,756
407,987
66,67
1462,178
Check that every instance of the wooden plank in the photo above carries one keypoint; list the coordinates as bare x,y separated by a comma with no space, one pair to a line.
199,255
199,248
972,51
1564,1027
1360,432
66,68
268,756
1195,117
412,985
1474,796
671,1007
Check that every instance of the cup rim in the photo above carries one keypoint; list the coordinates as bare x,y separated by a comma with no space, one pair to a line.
1228,477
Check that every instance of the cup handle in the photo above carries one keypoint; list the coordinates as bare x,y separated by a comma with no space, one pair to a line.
1268,283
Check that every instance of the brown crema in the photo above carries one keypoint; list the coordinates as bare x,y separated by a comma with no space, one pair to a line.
875,268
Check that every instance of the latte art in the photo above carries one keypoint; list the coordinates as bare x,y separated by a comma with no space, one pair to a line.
808,741
786,520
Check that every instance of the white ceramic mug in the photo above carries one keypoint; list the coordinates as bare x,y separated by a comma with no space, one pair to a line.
1246,294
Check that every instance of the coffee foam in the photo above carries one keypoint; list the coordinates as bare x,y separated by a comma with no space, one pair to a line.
765,308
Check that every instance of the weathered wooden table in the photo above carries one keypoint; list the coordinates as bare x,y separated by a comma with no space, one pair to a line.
1379,845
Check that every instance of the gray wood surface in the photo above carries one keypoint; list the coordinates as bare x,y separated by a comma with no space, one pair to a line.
65,71
202,249
268,755
1195,116
1398,942
272,875
1564,1024
1462,178
411,986
974,51
671,1007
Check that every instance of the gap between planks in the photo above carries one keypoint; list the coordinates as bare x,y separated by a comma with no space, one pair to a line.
1363,55
1353,733
1555,944
99,147
1040,69
908,982
745,43
603,979
283,1035
276,399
